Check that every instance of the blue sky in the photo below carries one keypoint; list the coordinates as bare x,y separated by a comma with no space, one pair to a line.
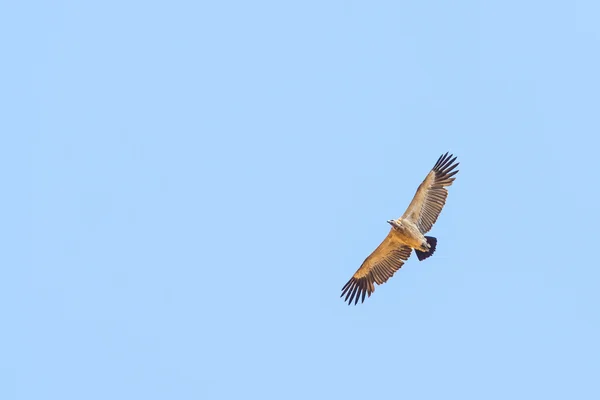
190,184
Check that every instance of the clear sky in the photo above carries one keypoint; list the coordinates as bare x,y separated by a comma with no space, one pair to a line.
189,184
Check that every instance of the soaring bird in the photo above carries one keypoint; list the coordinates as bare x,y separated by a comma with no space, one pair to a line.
407,233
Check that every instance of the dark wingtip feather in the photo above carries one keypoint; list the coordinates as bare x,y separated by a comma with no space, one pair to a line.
355,290
440,160
445,165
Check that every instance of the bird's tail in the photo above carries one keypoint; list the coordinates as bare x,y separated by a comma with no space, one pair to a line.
421,255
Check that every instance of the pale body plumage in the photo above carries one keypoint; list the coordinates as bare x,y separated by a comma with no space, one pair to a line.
407,233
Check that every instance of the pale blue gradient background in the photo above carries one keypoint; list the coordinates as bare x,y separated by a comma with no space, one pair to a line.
188,186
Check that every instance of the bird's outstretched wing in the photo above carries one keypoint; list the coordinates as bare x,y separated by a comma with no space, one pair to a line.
430,198
387,258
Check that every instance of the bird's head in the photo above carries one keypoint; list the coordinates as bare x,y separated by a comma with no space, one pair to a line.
395,223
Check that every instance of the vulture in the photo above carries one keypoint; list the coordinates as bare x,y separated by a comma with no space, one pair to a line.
407,233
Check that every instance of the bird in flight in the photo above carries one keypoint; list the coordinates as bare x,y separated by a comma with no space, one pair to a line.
407,233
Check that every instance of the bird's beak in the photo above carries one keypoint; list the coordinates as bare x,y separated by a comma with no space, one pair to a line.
391,222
